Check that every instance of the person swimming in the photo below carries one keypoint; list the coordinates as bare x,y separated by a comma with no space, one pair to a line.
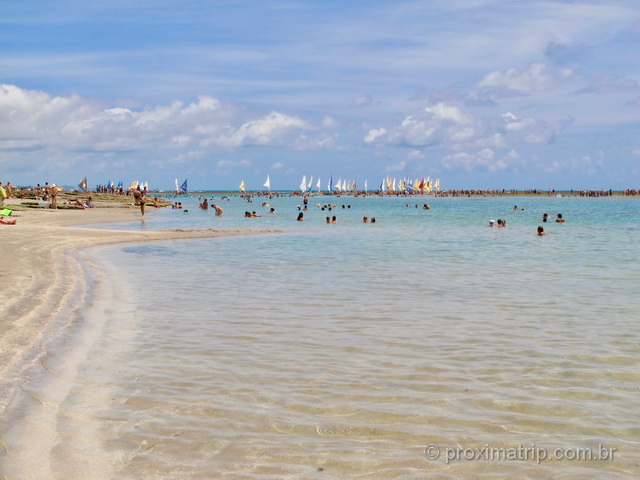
541,231
559,219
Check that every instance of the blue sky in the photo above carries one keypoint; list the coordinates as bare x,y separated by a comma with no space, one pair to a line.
480,93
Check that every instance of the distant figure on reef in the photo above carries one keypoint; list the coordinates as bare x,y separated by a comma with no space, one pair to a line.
559,219
53,192
142,200
541,231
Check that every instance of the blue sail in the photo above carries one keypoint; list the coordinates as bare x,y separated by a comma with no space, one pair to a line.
183,187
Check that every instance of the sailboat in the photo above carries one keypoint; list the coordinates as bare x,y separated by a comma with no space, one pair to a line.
303,184
183,187
267,184
241,187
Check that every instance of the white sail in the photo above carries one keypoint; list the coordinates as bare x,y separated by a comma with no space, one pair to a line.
267,184
303,184
318,186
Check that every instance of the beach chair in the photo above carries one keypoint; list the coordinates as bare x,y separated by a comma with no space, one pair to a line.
42,203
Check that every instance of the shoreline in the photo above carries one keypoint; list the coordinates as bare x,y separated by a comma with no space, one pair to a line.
44,282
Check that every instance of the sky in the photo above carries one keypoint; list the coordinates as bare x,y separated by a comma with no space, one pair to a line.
478,93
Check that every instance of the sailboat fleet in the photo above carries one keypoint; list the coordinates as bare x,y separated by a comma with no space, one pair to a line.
388,185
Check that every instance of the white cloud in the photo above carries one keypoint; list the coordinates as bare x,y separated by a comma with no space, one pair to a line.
611,84
267,130
398,167
415,155
585,164
539,76
34,119
374,134
437,124
277,165
483,160
328,122
363,101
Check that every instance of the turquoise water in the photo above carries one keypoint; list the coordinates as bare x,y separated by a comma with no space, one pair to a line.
347,350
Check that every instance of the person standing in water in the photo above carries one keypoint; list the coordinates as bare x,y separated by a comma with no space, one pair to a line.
142,200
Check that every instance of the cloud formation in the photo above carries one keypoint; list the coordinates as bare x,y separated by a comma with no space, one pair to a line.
32,119
538,76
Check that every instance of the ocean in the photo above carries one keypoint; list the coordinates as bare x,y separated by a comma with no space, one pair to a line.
424,345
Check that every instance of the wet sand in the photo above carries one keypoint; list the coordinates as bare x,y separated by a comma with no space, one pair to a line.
43,282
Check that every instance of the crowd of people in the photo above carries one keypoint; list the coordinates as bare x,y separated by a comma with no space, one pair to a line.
49,193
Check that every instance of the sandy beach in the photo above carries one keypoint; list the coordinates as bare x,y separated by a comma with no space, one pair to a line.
44,283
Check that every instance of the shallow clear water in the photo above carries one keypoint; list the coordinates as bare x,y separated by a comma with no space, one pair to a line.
343,351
